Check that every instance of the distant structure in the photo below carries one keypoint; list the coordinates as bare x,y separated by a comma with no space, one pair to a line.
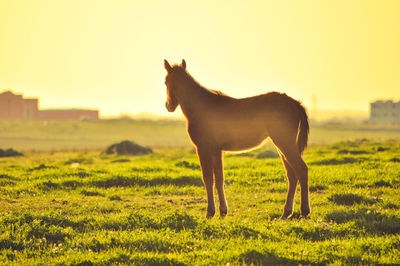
16,107
385,112
69,114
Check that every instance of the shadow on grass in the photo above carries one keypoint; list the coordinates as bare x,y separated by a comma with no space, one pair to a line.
91,193
147,169
9,177
163,260
245,232
371,221
336,161
322,233
353,152
4,183
41,167
120,161
71,184
147,244
122,181
316,188
48,185
79,174
124,259
53,234
381,183
254,257
79,160
20,220
349,199
11,244
186,164
176,221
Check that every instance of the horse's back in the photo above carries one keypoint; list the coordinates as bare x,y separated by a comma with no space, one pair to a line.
252,108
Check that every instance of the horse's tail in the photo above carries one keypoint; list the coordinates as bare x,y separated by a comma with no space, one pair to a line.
304,128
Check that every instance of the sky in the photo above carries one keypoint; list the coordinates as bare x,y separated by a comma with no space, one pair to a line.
109,54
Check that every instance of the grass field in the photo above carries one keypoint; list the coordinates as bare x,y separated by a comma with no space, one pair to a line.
84,208
89,135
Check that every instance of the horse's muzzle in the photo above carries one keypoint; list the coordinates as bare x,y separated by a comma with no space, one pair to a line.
169,107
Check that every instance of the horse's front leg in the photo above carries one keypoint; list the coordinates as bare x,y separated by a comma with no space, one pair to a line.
206,164
218,168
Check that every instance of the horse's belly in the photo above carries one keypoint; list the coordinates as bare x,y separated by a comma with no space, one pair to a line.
227,133
243,139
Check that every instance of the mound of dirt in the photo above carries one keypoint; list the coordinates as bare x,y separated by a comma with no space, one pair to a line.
129,148
9,153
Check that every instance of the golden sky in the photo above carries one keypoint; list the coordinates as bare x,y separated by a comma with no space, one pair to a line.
109,54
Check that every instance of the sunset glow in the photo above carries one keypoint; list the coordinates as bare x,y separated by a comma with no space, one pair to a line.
109,54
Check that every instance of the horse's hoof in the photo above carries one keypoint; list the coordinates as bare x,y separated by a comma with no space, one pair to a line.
223,213
285,216
210,214
305,214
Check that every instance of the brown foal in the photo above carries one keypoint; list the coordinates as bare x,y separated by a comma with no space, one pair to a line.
217,123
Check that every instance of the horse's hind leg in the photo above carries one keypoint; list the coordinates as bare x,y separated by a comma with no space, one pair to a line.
206,163
292,185
292,156
218,168
301,170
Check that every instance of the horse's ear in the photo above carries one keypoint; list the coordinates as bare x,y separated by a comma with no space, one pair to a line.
167,66
183,65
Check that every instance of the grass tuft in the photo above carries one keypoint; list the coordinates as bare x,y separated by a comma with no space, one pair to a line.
178,221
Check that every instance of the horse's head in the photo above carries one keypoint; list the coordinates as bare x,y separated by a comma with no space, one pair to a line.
171,82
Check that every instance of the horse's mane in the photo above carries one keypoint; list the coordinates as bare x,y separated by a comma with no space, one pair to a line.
188,77
220,93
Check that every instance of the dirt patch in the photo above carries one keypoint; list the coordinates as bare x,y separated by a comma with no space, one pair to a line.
128,148
9,153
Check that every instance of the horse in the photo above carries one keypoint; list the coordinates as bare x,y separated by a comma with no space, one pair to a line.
217,122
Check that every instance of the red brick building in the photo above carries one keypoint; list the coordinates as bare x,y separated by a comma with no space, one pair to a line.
15,107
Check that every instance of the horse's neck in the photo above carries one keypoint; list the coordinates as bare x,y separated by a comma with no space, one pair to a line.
193,98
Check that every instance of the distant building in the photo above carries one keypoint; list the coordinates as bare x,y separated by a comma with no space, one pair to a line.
385,112
69,114
16,107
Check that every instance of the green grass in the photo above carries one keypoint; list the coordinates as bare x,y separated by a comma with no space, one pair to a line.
88,135
86,208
